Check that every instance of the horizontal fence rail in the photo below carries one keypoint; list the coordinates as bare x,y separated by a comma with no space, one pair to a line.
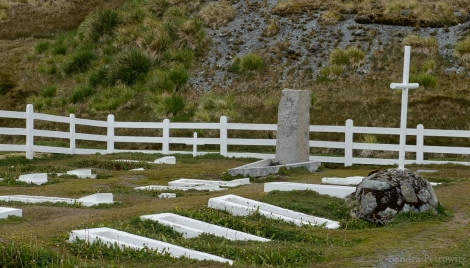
348,147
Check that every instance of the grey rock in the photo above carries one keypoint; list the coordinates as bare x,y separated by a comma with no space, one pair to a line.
383,194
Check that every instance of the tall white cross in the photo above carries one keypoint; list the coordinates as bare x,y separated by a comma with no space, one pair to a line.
404,86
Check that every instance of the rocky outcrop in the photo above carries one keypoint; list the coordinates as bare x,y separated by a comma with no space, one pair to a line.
383,194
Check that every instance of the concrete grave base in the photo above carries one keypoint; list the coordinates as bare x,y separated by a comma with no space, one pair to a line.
5,212
270,166
127,240
35,178
87,201
192,228
240,206
331,190
193,182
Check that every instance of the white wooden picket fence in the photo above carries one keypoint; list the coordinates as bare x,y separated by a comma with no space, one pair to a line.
223,141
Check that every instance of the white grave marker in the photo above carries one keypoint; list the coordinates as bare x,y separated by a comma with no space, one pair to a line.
404,86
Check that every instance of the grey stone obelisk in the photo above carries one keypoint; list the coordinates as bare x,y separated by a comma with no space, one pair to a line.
293,122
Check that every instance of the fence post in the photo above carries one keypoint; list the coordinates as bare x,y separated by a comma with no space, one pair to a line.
72,134
348,143
110,143
419,144
29,131
195,144
166,137
223,135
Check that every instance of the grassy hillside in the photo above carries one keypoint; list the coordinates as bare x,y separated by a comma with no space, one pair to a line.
146,60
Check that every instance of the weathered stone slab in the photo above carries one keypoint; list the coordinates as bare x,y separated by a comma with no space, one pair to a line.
293,123
82,173
34,178
203,187
193,228
194,182
88,201
5,212
170,160
167,195
331,190
354,180
128,240
240,206
267,166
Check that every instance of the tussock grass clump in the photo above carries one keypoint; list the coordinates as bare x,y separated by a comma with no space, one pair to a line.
81,92
99,25
216,14
129,67
330,17
462,50
272,28
79,62
352,56
423,46
251,62
425,79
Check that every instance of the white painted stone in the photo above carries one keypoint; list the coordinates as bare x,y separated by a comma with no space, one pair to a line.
35,178
203,187
137,169
167,195
331,190
91,200
96,199
5,212
82,173
171,160
355,180
127,240
240,206
192,228
194,182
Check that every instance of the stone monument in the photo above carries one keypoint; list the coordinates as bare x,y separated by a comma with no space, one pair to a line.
292,141
293,122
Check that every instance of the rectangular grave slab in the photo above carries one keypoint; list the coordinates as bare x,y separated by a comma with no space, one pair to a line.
193,182
87,201
203,187
342,181
5,212
192,228
240,206
82,173
35,178
127,240
331,190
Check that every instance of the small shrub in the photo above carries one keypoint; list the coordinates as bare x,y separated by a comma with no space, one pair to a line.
178,75
462,50
81,92
42,46
130,67
423,46
331,72
251,62
174,104
356,56
48,92
216,14
272,29
424,80
100,24
98,77
339,57
59,48
80,61
330,17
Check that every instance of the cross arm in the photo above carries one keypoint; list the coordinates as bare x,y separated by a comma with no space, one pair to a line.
403,85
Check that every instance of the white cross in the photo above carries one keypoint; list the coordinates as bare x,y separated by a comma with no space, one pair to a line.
404,86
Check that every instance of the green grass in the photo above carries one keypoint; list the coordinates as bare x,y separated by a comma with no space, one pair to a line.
356,243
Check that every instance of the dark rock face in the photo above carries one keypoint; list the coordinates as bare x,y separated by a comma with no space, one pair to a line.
383,194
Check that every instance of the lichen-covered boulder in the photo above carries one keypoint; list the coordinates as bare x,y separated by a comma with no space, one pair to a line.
383,194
